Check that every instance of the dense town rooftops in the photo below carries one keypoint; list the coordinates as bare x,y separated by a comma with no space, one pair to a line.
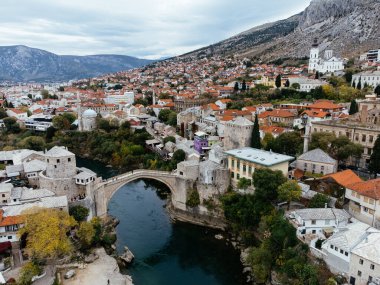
259,156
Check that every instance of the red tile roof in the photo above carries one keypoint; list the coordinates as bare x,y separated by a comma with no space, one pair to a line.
344,178
370,188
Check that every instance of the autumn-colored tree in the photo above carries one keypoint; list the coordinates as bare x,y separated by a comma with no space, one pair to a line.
85,234
46,233
289,191
28,271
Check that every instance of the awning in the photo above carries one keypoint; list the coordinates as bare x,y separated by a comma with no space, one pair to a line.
4,246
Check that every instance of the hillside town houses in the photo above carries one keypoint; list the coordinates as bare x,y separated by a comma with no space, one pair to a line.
214,128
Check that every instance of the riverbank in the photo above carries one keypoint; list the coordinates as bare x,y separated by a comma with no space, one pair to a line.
102,270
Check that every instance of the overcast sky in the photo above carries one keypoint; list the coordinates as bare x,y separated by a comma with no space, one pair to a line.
142,28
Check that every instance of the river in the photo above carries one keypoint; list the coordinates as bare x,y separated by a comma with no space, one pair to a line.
167,253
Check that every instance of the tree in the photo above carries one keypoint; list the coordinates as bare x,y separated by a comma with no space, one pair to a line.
11,125
289,143
179,155
164,115
268,141
319,201
172,119
236,86
244,86
377,90
192,198
260,260
353,108
359,85
85,234
44,93
46,233
169,139
278,81
266,182
287,83
296,86
255,138
28,271
374,161
3,113
289,191
103,124
64,121
33,142
353,84
79,213
244,183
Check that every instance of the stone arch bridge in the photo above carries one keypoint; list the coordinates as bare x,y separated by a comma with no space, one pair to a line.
104,190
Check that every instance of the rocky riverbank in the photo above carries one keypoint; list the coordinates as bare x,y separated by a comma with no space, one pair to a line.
102,270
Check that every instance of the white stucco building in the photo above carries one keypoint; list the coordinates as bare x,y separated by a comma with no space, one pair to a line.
328,63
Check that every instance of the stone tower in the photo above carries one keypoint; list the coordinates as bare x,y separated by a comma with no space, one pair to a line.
88,119
61,163
238,133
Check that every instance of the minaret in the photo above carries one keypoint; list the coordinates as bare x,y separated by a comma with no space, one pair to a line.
79,111
154,97
306,137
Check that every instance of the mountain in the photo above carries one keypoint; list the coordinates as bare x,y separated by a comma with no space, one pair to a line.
347,26
22,63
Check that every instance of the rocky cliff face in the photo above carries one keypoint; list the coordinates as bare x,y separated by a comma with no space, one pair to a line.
347,26
21,63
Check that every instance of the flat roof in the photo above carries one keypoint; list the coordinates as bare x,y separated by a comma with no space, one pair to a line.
259,156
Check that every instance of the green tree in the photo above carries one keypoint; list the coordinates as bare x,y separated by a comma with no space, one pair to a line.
193,198
11,125
33,142
287,83
289,143
164,115
278,81
79,213
319,201
266,182
255,139
359,85
3,113
244,183
377,90
321,140
103,124
169,139
296,86
289,191
260,260
244,86
374,161
172,119
268,141
236,86
354,108
179,155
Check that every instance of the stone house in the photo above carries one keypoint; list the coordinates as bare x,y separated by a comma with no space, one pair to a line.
237,133
316,161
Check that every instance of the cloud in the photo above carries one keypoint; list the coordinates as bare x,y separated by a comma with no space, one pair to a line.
143,28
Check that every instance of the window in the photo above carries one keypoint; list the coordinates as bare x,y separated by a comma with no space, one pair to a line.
372,266
346,253
359,273
69,159
331,246
360,261
370,138
9,237
232,163
55,166
341,251
250,169
58,160
232,175
244,168
313,222
238,176
2,195
5,201
364,138
313,231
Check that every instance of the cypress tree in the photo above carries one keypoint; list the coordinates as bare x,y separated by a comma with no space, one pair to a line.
359,86
278,81
353,84
287,83
377,90
244,86
374,161
255,139
353,107
236,87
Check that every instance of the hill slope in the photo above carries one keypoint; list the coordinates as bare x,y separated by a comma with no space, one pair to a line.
21,63
347,26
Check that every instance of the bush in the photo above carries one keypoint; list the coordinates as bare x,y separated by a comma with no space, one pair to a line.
79,213
193,198
29,270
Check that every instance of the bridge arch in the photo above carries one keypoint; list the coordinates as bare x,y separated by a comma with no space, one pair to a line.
106,189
